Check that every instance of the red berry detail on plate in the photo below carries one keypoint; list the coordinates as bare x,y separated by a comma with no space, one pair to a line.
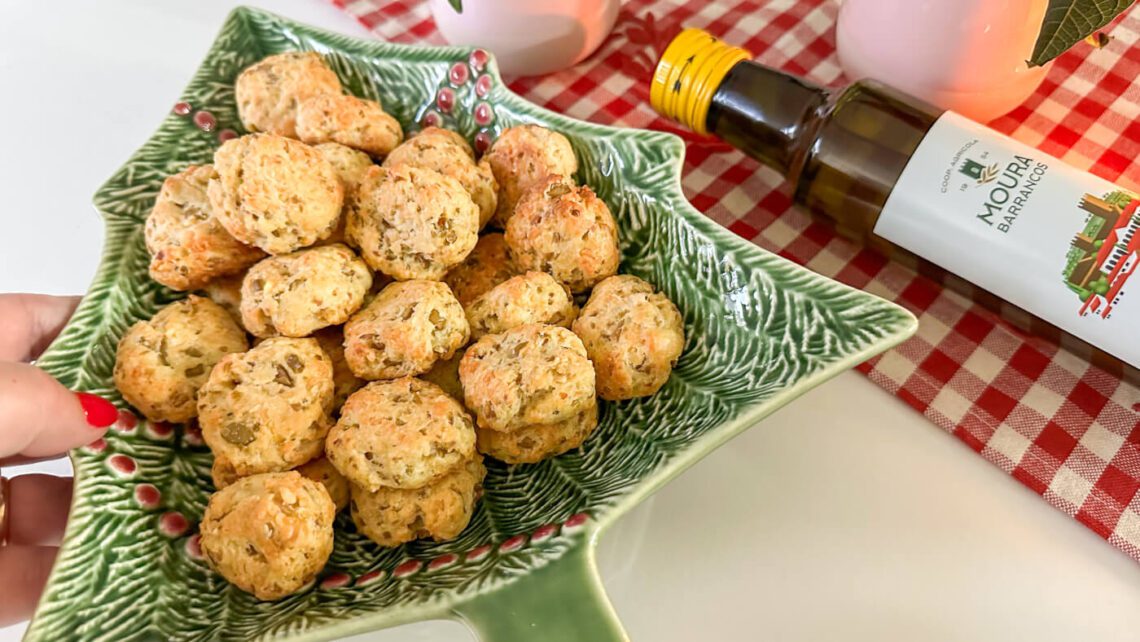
483,85
459,73
160,429
335,581
443,560
484,114
182,108
127,421
478,553
432,119
147,495
369,577
445,100
194,547
192,435
577,520
482,142
513,544
479,59
122,464
172,524
406,568
226,134
97,446
543,532
205,121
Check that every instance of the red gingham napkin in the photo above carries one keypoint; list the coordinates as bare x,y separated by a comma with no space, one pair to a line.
1068,431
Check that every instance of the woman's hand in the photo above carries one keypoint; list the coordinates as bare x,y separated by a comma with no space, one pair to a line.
39,419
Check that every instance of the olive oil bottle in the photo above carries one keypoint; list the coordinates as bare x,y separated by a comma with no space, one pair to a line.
894,172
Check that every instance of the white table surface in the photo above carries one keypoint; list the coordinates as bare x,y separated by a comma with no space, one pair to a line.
845,516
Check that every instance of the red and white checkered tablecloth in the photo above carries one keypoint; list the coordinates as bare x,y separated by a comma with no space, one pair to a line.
1067,430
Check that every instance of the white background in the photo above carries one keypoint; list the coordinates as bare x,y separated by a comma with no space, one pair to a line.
845,516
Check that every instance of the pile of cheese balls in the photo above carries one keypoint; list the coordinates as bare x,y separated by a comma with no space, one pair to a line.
363,286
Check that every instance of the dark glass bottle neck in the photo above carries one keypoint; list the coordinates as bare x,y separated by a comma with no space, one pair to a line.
767,114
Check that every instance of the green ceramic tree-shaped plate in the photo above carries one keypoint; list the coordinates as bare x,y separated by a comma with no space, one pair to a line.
760,331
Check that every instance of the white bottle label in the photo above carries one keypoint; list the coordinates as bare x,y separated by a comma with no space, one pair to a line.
1013,220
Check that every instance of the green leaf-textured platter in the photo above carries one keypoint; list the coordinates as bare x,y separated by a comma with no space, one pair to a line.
759,332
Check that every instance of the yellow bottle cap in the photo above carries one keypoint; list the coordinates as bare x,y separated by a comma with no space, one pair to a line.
688,75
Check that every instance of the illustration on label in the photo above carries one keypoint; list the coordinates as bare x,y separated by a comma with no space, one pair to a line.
1105,252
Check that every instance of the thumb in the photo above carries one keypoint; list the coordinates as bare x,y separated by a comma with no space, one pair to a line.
41,418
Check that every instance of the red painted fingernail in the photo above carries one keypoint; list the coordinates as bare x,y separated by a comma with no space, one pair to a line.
100,412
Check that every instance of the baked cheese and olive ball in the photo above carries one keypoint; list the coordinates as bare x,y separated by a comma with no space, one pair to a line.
267,409
532,444
269,91
523,156
445,374
275,193
269,534
534,297
402,433
223,474
566,231
345,382
447,153
440,510
358,123
488,265
188,247
161,363
324,473
404,330
632,334
295,294
412,223
529,375
226,292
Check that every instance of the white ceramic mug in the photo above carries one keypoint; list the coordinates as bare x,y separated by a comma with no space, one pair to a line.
528,37
964,55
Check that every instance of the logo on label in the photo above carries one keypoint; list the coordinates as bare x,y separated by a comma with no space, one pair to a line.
981,173
1105,252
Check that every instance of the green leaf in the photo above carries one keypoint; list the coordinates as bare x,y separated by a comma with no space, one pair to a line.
457,5
1067,22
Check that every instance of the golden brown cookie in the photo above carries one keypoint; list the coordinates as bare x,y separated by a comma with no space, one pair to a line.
523,156
344,381
434,149
188,246
532,444
226,292
269,534
534,297
532,374
268,409
323,472
408,327
295,294
161,363
275,193
356,122
412,223
222,472
439,510
445,374
488,265
269,91
402,433
633,335
565,231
